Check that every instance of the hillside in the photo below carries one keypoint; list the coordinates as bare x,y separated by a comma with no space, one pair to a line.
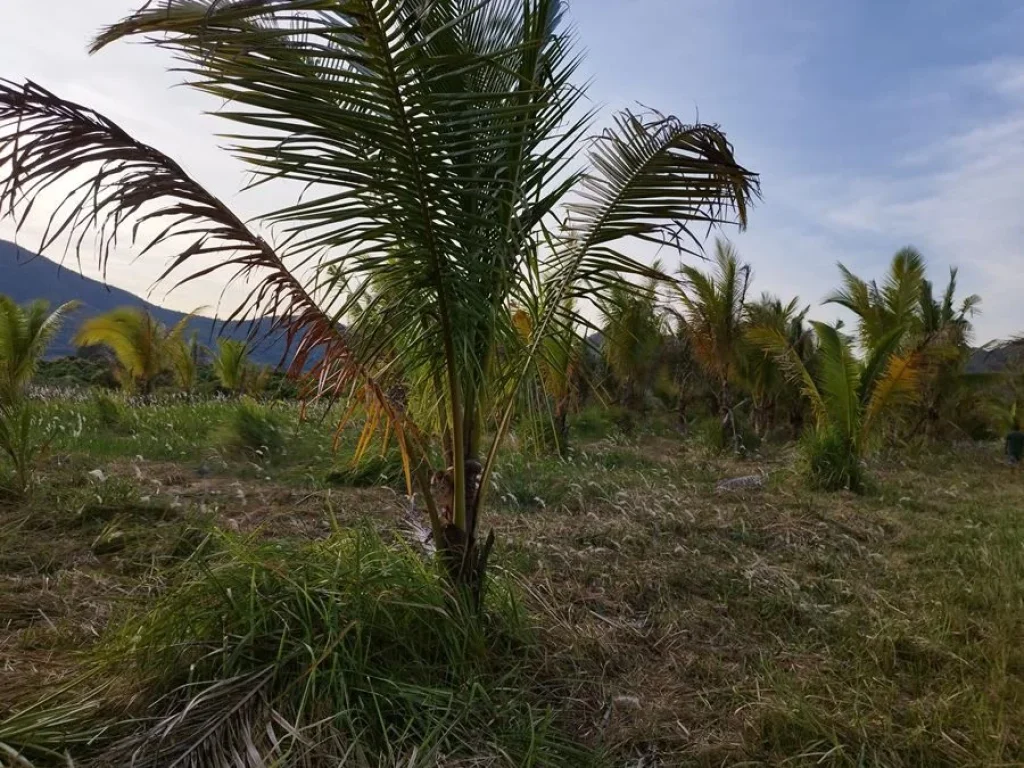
25,276
996,357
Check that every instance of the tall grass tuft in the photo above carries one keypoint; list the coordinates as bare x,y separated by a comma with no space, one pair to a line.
830,462
370,471
110,412
253,431
295,654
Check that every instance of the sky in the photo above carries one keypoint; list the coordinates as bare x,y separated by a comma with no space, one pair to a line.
874,124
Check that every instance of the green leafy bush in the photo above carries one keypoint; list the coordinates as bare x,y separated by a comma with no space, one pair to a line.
717,436
595,422
110,412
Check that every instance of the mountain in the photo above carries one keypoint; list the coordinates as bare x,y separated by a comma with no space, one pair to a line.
26,276
995,358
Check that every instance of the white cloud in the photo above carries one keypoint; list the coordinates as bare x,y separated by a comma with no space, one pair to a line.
961,203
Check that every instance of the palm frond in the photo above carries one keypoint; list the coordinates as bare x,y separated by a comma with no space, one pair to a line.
899,385
128,184
775,342
231,364
901,288
877,363
839,378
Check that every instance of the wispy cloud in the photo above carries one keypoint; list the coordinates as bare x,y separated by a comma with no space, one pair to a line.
960,198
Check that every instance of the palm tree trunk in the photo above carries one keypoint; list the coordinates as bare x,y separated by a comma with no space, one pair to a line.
463,558
562,426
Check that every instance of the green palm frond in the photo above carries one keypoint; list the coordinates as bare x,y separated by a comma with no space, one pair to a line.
863,300
876,364
775,342
184,361
901,288
759,369
899,385
839,376
653,179
231,364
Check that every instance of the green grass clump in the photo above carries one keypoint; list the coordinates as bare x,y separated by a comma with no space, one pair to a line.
533,483
369,472
253,431
594,423
830,463
110,412
310,653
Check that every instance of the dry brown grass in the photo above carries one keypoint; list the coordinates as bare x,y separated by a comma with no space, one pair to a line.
680,626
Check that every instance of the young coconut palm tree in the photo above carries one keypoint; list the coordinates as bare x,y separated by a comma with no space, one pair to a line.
438,145
943,334
847,397
25,333
143,347
185,359
231,365
770,389
939,330
558,369
882,309
632,340
712,320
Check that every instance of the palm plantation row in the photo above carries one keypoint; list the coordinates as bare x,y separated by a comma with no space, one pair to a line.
435,281
741,368
753,367
145,354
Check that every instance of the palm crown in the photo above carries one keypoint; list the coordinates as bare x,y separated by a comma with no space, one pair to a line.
142,346
25,332
713,305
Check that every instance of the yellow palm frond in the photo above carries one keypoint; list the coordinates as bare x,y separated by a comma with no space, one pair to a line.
899,385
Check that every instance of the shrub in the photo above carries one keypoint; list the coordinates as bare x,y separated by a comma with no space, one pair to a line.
110,412
831,463
21,446
252,430
595,422
298,653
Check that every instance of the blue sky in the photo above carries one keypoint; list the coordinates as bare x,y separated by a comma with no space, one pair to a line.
873,124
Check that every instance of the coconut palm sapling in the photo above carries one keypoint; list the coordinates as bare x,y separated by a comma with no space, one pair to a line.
438,143
712,320
231,366
143,347
848,397
25,333
632,340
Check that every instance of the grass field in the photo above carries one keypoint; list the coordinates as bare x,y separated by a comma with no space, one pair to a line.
667,623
